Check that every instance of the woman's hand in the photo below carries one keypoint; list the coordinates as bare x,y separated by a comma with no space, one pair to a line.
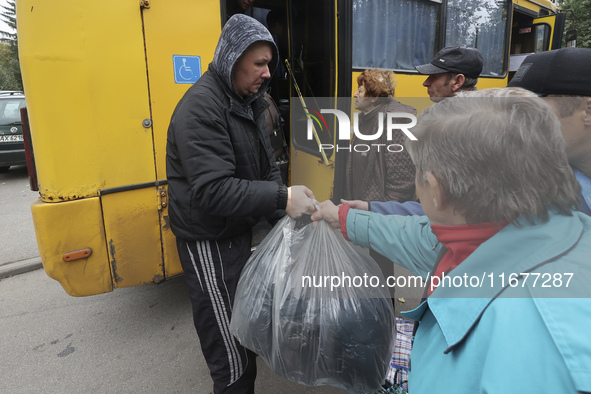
329,213
357,204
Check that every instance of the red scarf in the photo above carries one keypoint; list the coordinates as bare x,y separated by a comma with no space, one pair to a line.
461,241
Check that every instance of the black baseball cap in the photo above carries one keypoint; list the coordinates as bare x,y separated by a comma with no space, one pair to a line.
457,60
561,71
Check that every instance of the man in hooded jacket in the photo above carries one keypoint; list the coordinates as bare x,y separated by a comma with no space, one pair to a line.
222,177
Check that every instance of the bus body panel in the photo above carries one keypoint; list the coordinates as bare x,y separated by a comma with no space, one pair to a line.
68,226
303,166
132,232
172,263
88,103
86,87
535,5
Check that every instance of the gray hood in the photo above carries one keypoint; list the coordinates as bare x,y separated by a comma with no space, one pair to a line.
238,34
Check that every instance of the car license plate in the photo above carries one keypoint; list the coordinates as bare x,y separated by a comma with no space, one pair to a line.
11,138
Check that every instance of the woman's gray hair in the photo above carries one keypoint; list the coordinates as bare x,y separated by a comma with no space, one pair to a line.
499,92
498,154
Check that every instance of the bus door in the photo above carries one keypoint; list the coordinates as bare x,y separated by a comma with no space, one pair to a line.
532,34
180,37
317,73
305,32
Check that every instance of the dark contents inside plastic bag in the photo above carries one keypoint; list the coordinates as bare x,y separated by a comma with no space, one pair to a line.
311,331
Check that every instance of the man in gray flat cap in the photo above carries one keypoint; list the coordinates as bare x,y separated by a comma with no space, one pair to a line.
453,69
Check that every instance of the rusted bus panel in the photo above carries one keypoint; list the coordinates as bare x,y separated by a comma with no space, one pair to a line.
68,226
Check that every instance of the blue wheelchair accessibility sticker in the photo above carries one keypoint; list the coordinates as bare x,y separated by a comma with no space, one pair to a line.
187,69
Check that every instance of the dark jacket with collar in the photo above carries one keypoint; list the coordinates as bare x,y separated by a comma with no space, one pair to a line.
220,167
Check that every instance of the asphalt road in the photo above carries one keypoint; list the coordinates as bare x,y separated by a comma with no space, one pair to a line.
17,235
129,341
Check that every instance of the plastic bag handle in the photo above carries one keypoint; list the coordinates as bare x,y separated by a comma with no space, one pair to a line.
316,204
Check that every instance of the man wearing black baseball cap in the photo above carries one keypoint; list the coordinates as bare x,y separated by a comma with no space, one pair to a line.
563,77
452,69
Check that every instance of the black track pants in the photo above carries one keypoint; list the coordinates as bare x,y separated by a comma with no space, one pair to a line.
212,270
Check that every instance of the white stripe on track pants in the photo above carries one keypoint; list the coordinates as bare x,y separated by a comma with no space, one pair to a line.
212,270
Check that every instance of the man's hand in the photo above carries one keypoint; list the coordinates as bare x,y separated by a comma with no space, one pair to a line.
329,213
357,204
299,201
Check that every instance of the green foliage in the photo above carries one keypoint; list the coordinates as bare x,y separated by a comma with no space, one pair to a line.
578,17
10,71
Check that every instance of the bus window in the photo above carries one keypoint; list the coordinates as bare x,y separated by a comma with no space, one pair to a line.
480,24
531,39
542,37
394,34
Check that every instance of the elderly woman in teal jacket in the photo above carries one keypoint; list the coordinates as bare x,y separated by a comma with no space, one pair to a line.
505,255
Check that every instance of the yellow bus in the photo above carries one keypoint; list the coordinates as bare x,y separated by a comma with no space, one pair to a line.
102,79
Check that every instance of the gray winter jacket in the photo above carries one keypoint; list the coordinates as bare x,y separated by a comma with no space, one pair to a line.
220,167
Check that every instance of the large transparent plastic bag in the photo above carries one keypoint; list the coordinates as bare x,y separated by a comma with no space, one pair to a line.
314,332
